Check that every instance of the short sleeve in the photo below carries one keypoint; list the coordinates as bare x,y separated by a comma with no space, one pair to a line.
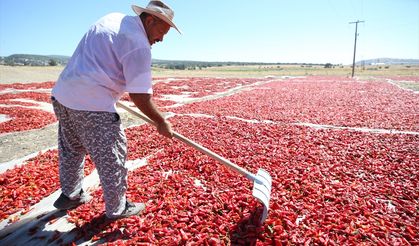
137,71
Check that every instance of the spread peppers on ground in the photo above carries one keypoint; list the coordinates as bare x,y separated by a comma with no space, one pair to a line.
329,186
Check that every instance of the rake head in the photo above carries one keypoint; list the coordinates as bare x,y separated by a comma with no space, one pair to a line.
262,191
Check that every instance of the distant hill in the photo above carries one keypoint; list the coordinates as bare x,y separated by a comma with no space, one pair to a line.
182,64
389,61
53,60
34,60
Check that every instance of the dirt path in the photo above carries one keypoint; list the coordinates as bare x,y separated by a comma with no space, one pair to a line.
18,145
14,146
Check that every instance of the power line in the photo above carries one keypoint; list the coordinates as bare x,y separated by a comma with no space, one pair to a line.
356,35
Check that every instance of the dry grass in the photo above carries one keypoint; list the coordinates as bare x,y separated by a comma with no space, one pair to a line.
25,74
298,70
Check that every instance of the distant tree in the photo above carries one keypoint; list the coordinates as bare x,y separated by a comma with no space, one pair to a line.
10,62
328,65
52,62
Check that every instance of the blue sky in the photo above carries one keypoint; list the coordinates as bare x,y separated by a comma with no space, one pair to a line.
312,31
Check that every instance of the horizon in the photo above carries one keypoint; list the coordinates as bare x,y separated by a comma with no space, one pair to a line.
287,32
252,62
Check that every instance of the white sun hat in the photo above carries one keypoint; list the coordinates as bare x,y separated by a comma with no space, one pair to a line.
158,9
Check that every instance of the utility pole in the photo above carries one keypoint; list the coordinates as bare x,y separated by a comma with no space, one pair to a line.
356,35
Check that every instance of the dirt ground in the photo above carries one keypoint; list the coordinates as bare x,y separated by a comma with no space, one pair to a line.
18,145
26,74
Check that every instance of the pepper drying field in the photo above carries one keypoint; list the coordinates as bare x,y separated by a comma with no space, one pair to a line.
343,154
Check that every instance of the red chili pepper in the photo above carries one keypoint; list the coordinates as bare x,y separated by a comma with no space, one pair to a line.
330,186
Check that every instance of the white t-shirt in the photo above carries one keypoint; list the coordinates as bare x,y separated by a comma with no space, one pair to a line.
113,57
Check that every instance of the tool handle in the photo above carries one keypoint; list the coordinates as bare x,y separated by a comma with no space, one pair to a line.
217,157
132,111
195,145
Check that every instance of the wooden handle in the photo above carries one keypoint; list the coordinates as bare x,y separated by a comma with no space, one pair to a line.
195,145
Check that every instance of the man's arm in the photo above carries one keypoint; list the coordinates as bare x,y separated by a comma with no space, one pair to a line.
146,105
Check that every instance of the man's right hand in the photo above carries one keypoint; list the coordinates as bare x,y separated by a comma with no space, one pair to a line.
165,129
146,105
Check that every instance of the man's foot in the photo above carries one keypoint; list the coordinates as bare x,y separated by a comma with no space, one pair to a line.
131,208
65,203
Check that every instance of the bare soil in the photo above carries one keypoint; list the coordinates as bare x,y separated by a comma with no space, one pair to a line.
26,74
21,144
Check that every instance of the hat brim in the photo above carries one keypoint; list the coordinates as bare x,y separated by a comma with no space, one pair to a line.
139,11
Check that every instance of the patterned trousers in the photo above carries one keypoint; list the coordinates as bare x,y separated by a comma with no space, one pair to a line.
100,135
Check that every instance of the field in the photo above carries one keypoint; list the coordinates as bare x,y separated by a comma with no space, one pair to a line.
343,154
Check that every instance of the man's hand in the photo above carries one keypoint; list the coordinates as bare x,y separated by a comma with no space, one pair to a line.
146,105
165,129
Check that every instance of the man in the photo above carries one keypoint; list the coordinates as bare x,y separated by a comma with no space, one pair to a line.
113,57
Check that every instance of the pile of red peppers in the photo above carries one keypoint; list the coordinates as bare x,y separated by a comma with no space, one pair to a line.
330,186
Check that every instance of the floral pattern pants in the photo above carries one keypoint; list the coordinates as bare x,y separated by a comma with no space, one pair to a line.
99,134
